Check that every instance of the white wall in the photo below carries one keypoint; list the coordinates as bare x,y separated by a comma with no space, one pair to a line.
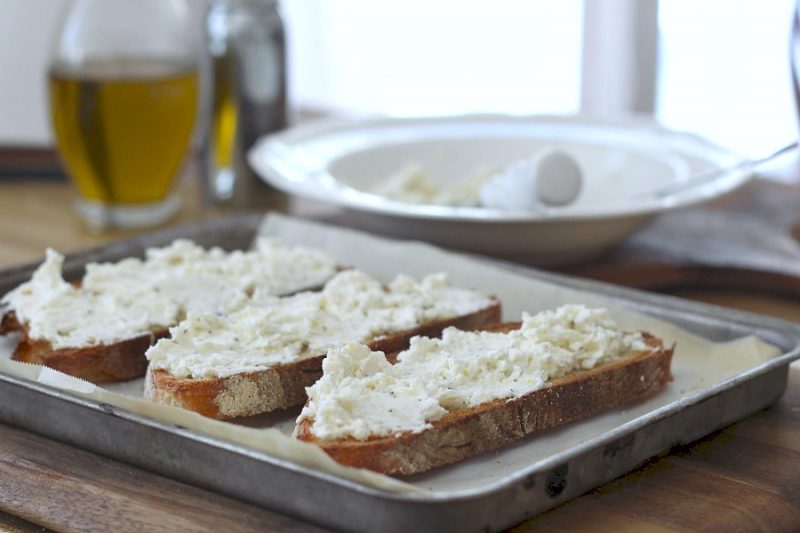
27,33
26,28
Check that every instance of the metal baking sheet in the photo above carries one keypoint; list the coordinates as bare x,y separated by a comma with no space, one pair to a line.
333,501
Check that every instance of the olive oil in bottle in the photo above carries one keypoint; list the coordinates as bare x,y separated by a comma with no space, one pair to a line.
123,126
246,99
223,124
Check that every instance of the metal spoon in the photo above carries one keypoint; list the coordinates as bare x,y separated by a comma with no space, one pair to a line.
710,175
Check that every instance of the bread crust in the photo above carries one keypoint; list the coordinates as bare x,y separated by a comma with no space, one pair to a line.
9,323
467,432
99,363
281,386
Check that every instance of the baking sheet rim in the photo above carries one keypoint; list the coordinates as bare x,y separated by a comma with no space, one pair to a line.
786,332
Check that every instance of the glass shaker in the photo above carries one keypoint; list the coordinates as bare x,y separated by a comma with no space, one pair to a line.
246,98
123,84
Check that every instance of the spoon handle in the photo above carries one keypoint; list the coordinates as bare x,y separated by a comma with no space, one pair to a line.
709,175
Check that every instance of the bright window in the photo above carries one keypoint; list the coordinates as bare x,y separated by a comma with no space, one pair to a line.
724,66
422,57
725,72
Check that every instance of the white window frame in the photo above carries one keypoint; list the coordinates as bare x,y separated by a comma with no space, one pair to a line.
620,57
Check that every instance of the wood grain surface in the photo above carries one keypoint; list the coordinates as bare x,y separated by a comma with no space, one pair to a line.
65,488
743,478
36,214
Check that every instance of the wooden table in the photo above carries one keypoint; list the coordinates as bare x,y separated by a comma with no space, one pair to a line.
743,478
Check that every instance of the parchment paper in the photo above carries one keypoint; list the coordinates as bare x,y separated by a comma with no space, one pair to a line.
698,363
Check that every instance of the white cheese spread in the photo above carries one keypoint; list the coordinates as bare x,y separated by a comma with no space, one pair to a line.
68,316
118,301
361,395
413,184
549,177
352,307
214,280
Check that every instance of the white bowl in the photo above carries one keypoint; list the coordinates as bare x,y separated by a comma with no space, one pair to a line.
623,162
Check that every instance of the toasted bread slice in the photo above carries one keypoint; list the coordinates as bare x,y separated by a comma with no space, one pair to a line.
120,356
466,432
280,386
9,323
99,363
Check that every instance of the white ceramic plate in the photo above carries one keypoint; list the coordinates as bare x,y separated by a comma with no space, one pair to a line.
623,162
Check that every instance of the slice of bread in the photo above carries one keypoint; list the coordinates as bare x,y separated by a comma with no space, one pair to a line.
283,385
82,328
99,363
465,432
